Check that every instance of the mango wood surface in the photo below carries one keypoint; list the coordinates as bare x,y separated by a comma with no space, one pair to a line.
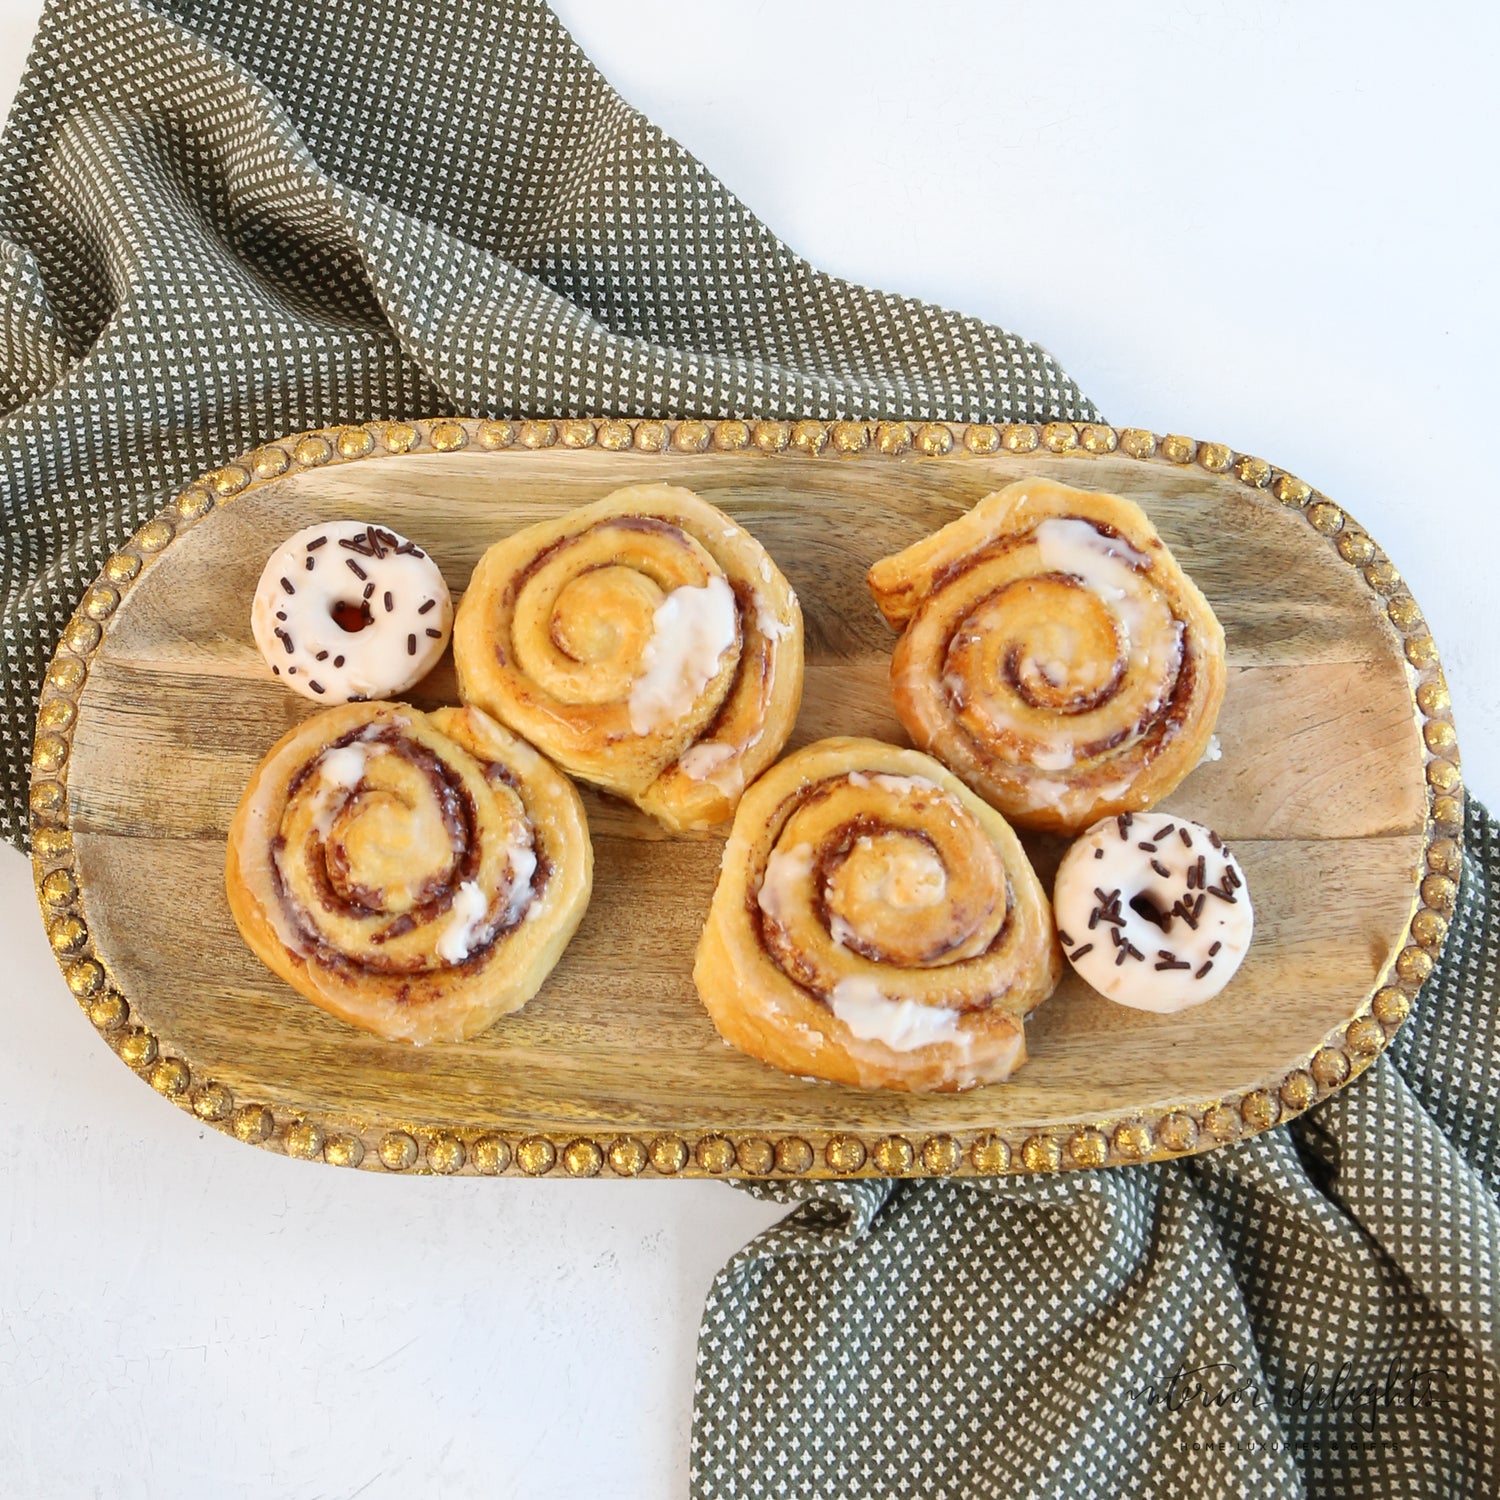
1323,789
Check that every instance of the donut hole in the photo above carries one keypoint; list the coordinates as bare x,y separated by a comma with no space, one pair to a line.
351,615
1145,905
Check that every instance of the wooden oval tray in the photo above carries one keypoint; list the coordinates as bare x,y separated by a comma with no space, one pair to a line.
1338,788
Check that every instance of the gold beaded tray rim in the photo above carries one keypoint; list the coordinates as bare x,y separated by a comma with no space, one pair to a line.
396,1146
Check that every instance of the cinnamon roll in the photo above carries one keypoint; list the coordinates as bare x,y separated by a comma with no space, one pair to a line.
417,875
1054,654
875,923
647,643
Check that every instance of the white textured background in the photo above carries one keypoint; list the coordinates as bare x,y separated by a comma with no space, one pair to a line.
1257,224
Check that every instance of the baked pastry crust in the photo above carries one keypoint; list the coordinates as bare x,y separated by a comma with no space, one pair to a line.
646,643
1054,654
875,923
417,875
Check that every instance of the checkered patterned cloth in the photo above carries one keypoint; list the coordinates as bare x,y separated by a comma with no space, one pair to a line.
223,220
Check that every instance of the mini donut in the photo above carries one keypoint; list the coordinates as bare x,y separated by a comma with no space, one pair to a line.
346,611
1153,911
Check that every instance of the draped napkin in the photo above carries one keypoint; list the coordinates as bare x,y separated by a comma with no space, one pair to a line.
227,220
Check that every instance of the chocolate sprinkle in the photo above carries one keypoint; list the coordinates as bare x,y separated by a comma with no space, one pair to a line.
1160,868
1168,962
317,542
281,614
1149,848
338,661
286,641
1120,957
428,605
1214,949
1208,964
358,571
1185,836
390,603
1093,919
437,635
1079,952
286,583
1123,822
374,537
321,656
312,562
1098,853
369,589
357,544
1216,841
317,687
1065,937
411,645
1162,833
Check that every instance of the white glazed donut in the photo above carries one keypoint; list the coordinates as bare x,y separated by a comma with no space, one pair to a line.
345,611
1153,911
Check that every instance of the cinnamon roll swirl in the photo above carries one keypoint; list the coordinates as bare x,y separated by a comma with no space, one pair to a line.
646,643
875,923
1054,654
417,875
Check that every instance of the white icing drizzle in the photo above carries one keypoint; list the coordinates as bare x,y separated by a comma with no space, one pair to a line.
703,759
691,629
468,909
523,867
901,1025
766,621
1104,564
1212,751
785,871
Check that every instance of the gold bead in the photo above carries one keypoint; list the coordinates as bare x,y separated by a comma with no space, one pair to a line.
268,462
344,1151
1325,517
1403,613
109,1011
691,437
892,437
756,1156
1020,437
56,713
941,1154
731,436
1221,1123
212,1101
400,437
445,1154
138,1049
1177,1132
536,1155
845,1154
627,1157
489,1156
253,1123
1441,739
493,435
1260,1109
1290,490
304,1140
1365,1036
1421,651
1214,457
1391,1005
990,1154
540,434
85,978
66,674
353,442
49,753
1059,437
1096,438
651,437
793,1155
1177,449
1446,858
849,437
1382,576
447,437
195,503
669,1155
170,1076
1432,696
1132,1141
715,1154
1429,928
1444,775
615,434
1437,890
1137,442
772,437
68,936
1414,964
52,843
59,888
809,437
1330,1067
47,798
82,636
154,535
121,568
1089,1148
893,1155
1041,1153
933,439
576,434
582,1158
1297,1091
312,452
100,601
1355,547
1448,813
230,480
398,1151
983,437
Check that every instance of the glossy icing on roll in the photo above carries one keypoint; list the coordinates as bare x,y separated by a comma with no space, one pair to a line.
1053,654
